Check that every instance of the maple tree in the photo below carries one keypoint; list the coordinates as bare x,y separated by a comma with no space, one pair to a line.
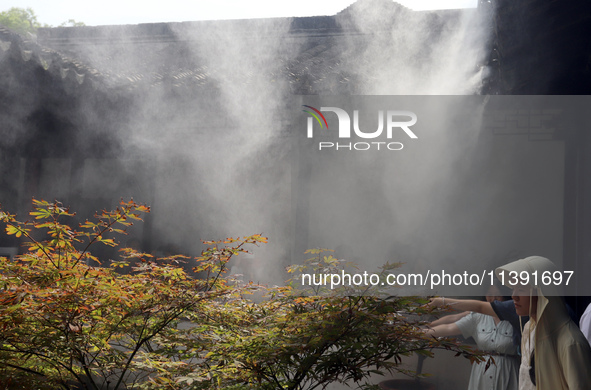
300,339
68,324
64,321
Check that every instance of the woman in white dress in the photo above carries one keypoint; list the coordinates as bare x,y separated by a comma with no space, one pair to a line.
491,335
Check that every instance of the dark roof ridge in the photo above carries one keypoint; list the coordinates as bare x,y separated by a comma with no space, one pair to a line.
26,49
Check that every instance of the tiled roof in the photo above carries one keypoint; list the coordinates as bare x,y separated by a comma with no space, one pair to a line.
312,54
154,54
27,51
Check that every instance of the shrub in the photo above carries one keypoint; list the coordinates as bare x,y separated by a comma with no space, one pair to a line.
68,324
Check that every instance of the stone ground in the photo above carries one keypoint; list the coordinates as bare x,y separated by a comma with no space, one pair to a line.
448,372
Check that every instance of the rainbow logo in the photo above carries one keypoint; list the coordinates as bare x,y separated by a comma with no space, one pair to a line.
316,116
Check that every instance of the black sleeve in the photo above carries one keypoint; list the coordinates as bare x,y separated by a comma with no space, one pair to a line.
505,310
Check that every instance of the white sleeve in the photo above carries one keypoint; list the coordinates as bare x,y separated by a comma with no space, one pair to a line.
585,323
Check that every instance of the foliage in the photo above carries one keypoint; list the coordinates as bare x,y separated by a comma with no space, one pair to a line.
68,324
291,341
24,20
64,321
324,263
72,23
21,20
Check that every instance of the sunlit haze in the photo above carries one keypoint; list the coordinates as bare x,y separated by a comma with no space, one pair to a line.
133,12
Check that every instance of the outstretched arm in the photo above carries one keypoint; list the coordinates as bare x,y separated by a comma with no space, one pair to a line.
448,319
443,330
464,305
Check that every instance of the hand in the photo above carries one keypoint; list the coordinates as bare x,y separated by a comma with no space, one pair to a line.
428,330
436,303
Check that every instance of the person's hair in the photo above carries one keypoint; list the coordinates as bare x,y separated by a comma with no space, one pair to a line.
504,291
